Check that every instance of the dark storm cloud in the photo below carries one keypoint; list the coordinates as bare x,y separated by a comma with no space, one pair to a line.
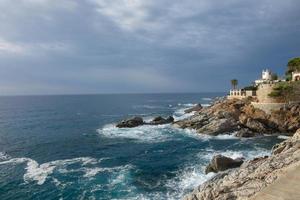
95,46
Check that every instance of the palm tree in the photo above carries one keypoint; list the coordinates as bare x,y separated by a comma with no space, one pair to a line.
234,83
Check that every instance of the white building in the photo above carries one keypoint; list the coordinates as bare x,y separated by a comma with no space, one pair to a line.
296,76
266,77
241,94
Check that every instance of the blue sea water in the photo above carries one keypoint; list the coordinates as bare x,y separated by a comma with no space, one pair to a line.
67,147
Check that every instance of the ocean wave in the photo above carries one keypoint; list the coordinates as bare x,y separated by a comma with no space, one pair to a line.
186,180
40,172
206,99
147,106
284,137
247,154
4,156
145,133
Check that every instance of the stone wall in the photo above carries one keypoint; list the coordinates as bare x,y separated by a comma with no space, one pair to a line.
263,92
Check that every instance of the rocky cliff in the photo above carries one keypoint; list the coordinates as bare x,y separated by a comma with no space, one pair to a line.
252,176
240,117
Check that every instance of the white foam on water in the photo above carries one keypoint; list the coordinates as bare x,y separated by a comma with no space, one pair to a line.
39,172
206,99
247,154
186,180
205,105
147,106
4,156
180,114
189,104
145,133
284,137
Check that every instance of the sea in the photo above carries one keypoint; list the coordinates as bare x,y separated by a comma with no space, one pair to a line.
67,147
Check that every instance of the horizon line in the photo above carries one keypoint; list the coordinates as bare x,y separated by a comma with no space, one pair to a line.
112,93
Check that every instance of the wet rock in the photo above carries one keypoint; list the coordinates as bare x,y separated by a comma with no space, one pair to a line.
160,120
222,163
196,108
218,126
246,133
130,123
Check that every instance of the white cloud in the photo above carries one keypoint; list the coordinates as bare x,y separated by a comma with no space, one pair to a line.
128,14
10,47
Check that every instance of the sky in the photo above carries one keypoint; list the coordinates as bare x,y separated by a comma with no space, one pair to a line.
142,46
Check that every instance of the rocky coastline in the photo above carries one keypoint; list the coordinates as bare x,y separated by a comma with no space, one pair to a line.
253,175
248,177
239,116
237,178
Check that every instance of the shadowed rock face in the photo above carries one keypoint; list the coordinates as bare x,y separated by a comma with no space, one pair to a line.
160,120
241,117
222,163
196,108
130,123
254,175
138,121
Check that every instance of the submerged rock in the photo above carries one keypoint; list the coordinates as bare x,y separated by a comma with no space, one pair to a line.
160,120
130,123
196,108
222,163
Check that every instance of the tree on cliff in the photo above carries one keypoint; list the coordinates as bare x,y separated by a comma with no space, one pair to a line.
274,77
293,65
234,83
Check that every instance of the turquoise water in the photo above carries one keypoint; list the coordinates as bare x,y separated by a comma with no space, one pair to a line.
66,147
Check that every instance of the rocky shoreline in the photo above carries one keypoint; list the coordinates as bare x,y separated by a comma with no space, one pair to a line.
239,116
253,175
227,116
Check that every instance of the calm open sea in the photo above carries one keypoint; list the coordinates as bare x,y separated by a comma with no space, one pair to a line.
66,147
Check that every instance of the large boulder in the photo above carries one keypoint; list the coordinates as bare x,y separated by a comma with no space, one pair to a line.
195,108
222,163
130,123
218,126
160,120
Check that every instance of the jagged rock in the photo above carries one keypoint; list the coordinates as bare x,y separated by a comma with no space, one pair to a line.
229,115
222,163
246,133
256,126
130,123
217,126
196,108
160,120
254,175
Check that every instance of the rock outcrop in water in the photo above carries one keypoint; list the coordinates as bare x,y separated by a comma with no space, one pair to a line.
138,121
130,123
160,120
254,175
239,116
222,163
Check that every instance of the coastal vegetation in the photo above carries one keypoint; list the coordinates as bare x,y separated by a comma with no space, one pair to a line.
293,65
289,90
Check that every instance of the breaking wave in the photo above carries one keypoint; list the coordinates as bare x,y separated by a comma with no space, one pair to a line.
40,172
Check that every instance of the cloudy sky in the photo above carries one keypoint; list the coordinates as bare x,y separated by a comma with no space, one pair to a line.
120,46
